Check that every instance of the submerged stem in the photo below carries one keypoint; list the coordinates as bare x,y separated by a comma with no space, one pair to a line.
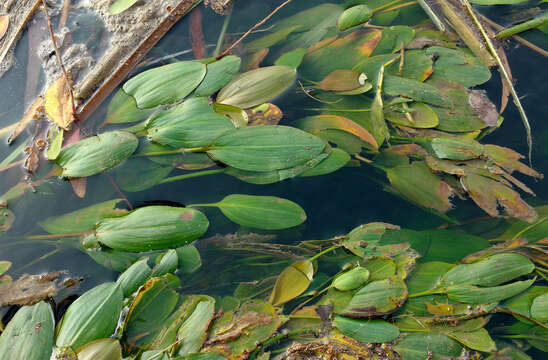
192,175
328,250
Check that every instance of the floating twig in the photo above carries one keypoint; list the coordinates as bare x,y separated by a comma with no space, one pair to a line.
224,53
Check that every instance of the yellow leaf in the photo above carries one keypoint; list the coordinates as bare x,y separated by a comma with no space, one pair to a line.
58,105
4,23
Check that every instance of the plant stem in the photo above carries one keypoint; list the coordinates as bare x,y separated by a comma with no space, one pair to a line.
278,337
55,236
401,6
191,175
527,25
222,35
427,292
328,250
386,6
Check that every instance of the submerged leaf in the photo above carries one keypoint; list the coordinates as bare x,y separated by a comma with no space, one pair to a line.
456,148
165,84
257,86
193,331
57,103
471,294
366,331
292,282
343,80
419,346
123,109
417,115
377,298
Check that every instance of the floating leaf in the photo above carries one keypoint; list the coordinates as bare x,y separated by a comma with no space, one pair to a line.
57,103
135,276
393,38
166,263
189,259
315,124
427,276
257,86
351,280
102,349
342,80
97,153
492,271
471,294
29,334
417,115
149,311
82,219
416,90
366,331
55,142
539,308
456,148
123,109
165,84
239,117
149,228
458,66
354,16
92,316
219,73
4,266
292,282
488,194
337,159
509,160
262,212
7,218
377,298
420,346
264,114
119,6
265,148
193,331
416,183
190,124
292,58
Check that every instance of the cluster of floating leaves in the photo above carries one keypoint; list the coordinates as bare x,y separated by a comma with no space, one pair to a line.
399,100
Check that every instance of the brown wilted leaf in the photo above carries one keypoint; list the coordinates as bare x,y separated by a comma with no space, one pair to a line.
265,114
508,159
31,114
488,194
30,289
79,186
483,107
4,23
58,103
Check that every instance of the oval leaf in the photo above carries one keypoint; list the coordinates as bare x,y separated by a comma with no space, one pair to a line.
292,282
366,331
97,153
219,73
102,349
377,298
257,86
351,280
354,16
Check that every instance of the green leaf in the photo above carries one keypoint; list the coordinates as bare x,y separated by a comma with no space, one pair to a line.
342,80
521,303
420,346
417,115
123,109
119,6
165,84
55,142
257,86
92,316
416,183
148,312
471,294
476,340
193,331
190,124
4,266
377,298
219,73
539,308
492,271
458,66
497,2
82,219
102,349
292,58
266,148
96,154
292,282
337,159
271,39
262,212
150,228
239,117
354,16
380,269
189,259
166,262
29,334
456,148
315,124
115,260
427,276
366,331
392,39
351,280
135,276
413,89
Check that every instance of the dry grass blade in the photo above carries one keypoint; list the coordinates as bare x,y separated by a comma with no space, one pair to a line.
4,23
